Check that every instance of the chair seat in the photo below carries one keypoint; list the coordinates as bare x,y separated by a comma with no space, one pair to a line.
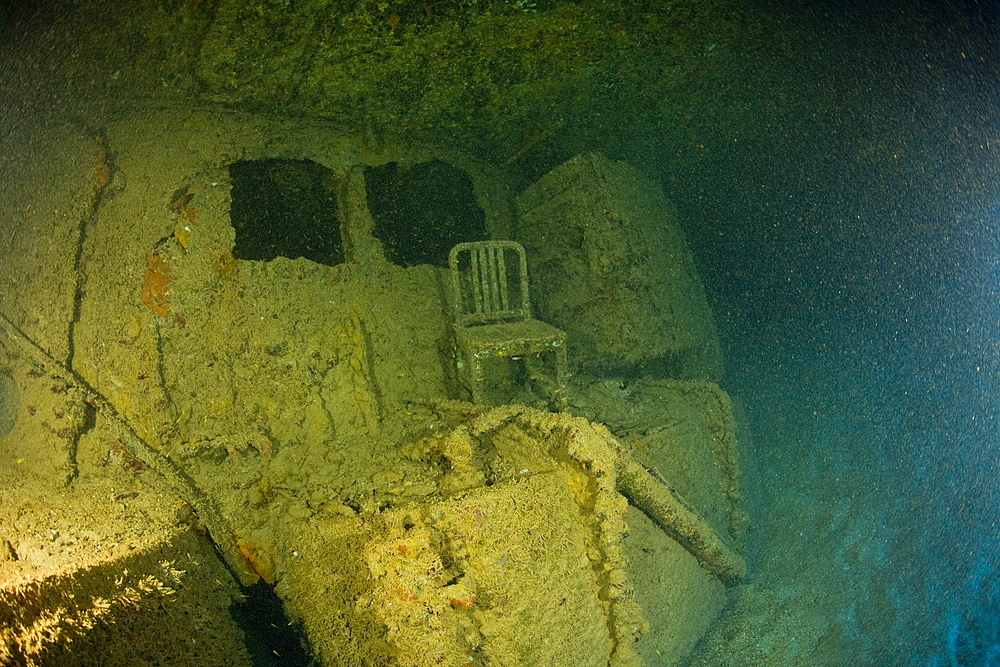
510,338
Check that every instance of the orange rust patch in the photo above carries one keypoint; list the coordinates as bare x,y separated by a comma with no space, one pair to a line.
463,604
225,263
102,170
403,593
261,564
156,283
183,236
185,219
187,214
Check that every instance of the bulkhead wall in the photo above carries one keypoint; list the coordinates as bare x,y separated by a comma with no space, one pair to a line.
196,346
279,384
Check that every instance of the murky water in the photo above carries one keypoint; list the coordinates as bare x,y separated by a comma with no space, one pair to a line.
856,282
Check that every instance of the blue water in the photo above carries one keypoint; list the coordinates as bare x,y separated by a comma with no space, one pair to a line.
875,505
842,192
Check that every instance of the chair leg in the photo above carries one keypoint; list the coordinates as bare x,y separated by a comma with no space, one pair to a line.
562,378
472,373
476,377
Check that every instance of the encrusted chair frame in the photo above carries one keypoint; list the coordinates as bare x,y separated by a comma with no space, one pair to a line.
493,314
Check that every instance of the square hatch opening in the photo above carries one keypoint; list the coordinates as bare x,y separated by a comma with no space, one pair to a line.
285,208
420,212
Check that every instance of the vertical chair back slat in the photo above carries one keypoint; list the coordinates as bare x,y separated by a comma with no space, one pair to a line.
482,279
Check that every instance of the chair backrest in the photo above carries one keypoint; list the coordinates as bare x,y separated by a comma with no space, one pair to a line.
489,281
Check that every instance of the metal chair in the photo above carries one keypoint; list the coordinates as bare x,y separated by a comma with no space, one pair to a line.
493,315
